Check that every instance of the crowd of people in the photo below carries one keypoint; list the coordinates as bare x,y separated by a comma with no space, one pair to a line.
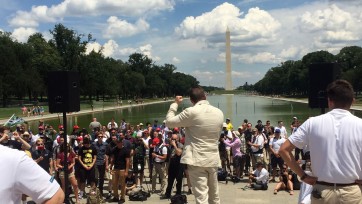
261,152
32,111
253,151
121,152
115,152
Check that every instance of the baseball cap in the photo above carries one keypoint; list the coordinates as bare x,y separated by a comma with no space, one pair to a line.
277,130
75,127
295,118
41,127
158,129
228,119
176,129
60,127
26,133
140,124
229,135
224,125
155,141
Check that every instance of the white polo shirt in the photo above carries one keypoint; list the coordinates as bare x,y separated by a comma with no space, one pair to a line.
21,175
334,140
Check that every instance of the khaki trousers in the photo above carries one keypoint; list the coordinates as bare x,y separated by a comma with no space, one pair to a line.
160,169
339,195
118,178
204,184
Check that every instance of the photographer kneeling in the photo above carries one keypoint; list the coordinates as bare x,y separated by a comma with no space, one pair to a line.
259,178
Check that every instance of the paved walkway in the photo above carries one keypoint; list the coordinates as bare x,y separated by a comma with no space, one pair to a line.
230,193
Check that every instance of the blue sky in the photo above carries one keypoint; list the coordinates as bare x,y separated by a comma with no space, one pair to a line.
191,33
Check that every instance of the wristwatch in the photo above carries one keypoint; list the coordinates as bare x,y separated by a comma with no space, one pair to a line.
304,176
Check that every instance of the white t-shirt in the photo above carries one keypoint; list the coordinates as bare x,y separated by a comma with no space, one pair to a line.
21,175
275,143
334,140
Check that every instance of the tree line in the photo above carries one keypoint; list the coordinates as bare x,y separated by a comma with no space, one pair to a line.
292,77
24,68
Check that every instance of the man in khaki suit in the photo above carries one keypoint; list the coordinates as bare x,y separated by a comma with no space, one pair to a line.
203,124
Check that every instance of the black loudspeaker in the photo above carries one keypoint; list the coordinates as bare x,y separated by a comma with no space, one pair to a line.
320,75
63,91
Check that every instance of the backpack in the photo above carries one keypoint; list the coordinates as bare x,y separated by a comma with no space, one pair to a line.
221,174
94,197
168,152
139,196
178,199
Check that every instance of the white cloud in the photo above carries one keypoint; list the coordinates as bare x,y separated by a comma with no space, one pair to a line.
147,50
290,53
217,78
121,28
176,60
112,49
262,57
335,24
22,34
81,8
257,26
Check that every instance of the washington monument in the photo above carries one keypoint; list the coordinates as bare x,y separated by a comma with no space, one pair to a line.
228,81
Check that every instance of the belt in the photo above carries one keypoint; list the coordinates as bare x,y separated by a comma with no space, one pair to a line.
335,184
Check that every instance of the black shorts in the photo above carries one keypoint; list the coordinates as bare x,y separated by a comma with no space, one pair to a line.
276,161
87,175
237,161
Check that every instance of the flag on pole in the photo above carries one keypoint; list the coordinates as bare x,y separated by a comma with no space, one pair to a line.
14,120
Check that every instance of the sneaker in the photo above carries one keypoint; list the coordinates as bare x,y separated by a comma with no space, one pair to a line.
80,196
122,200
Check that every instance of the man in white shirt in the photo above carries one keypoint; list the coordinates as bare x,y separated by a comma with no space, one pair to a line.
39,185
274,146
334,140
257,145
258,178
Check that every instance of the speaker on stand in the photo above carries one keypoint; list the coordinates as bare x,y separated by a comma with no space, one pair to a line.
320,76
63,97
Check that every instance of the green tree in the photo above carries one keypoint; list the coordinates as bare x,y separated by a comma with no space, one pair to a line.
70,46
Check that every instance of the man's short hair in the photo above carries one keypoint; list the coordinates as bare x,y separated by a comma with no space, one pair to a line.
197,94
341,93
259,164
